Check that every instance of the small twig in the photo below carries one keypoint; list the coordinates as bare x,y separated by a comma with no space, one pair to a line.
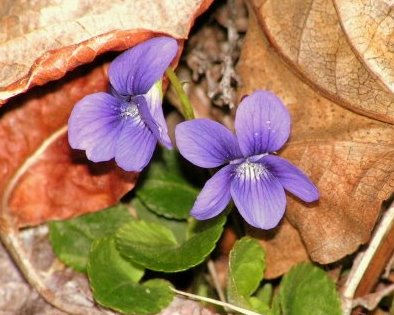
214,276
224,90
388,268
371,301
363,260
13,244
216,302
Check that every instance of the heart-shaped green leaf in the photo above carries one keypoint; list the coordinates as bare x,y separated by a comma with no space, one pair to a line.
114,282
71,239
178,227
306,289
165,188
246,270
155,247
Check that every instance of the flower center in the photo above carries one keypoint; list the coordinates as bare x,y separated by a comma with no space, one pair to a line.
250,170
129,109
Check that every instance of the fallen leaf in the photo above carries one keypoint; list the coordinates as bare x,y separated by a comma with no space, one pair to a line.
17,297
285,236
369,26
308,35
348,156
41,177
42,40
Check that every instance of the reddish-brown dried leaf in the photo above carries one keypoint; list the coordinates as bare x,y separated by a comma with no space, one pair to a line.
348,156
41,177
41,40
307,33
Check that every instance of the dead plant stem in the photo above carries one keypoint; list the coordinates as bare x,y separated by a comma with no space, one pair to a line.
216,283
9,235
12,243
363,260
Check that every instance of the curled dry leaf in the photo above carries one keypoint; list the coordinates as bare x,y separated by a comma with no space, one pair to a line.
308,34
41,40
348,156
41,177
369,28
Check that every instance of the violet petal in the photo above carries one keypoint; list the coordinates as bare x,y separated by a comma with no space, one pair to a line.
136,70
94,126
155,119
291,177
135,146
214,196
258,195
206,143
262,123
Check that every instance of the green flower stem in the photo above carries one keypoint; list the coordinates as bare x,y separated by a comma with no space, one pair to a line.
187,109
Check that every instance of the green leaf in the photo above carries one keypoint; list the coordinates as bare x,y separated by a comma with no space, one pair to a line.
306,289
262,299
275,307
178,227
165,188
246,270
114,282
265,293
71,239
259,306
155,247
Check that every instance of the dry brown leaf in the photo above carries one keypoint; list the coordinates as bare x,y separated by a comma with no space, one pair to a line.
283,247
41,177
41,40
307,33
348,156
369,28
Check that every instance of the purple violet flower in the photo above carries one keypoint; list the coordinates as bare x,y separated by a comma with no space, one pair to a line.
254,177
126,123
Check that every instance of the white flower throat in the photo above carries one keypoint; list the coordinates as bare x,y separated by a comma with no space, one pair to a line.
251,170
130,109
